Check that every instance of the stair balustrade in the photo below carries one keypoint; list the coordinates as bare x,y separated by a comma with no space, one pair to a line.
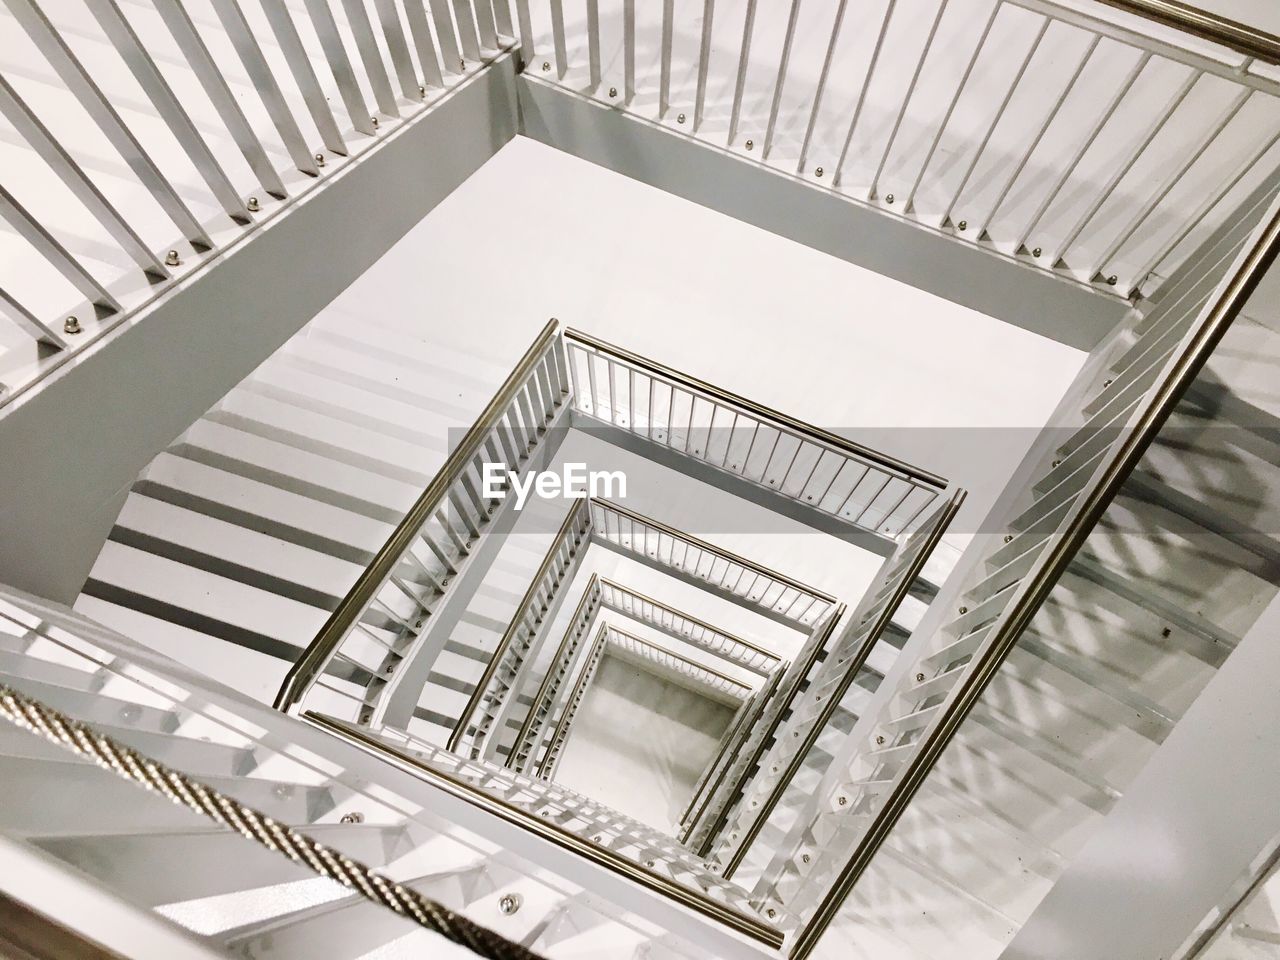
1095,144
301,78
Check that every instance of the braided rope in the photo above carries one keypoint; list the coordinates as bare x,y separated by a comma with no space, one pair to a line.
105,751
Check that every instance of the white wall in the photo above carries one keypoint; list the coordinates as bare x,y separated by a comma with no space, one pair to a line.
639,743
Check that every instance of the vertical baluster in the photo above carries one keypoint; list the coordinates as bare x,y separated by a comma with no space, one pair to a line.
264,82
704,59
744,58
1211,201
450,52
502,18
420,31
29,127
628,51
29,323
375,70
1120,172
995,120
1175,176
304,75
593,41
486,26
664,64
215,86
906,100
77,80
862,93
1083,147
1043,129
526,30
557,38
780,80
908,203
591,382
398,48
344,74
27,227
821,88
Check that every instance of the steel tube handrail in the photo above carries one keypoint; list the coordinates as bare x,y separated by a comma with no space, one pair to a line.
1253,262
675,534
690,819
588,595
882,620
733,919
561,727
610,629
349,610
762,749
606,582
1240,37
834,442
517,620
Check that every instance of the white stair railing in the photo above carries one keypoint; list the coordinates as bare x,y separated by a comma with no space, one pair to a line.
570,820
385,619
1102,145
833,679
80,687
297,66
815,474
504,673
935,693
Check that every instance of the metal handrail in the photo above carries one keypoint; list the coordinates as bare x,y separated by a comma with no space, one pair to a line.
561,727
850,671
675,534
605,582
690,819
589,595
1240,37
832,441
1251,264
733,919
349,610
517,620
697,667
799,670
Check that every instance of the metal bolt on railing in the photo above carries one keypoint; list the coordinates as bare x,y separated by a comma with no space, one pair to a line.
252,205
354,816
171,259
817,173
320,160
963,225
72,325
888,198
919,678
613,91
545,66
680,118
750,144
509,903
1036,252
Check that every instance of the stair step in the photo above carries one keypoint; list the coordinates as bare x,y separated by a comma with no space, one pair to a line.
231,550
264,507
257,618
170,866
